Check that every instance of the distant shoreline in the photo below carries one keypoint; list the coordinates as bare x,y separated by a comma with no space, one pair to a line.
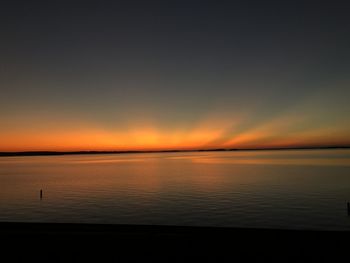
51,153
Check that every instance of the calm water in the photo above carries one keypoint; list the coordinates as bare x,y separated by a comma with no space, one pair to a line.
301,189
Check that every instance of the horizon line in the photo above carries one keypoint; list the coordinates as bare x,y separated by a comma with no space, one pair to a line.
44,152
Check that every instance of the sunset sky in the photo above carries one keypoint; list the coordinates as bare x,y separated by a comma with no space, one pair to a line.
156,75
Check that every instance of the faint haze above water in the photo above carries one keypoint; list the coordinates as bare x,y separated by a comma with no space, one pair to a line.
148,75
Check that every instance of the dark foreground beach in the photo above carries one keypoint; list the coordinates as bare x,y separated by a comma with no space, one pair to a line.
43,242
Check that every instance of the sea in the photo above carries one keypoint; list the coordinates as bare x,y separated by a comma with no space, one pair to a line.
280,189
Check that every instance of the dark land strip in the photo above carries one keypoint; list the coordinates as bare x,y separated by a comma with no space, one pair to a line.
56,242
48,153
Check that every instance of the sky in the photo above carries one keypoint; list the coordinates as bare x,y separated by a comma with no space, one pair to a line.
160,75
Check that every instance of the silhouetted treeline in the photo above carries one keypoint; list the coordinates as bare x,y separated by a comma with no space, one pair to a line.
41,153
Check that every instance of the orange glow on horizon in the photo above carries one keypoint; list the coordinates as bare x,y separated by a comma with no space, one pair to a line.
157,140
212,132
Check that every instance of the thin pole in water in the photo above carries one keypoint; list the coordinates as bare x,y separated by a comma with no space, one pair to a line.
41,194
348,209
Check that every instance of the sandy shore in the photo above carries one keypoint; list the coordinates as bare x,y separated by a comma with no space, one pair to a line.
123,243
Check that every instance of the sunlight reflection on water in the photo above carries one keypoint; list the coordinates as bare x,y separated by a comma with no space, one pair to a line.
279,189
